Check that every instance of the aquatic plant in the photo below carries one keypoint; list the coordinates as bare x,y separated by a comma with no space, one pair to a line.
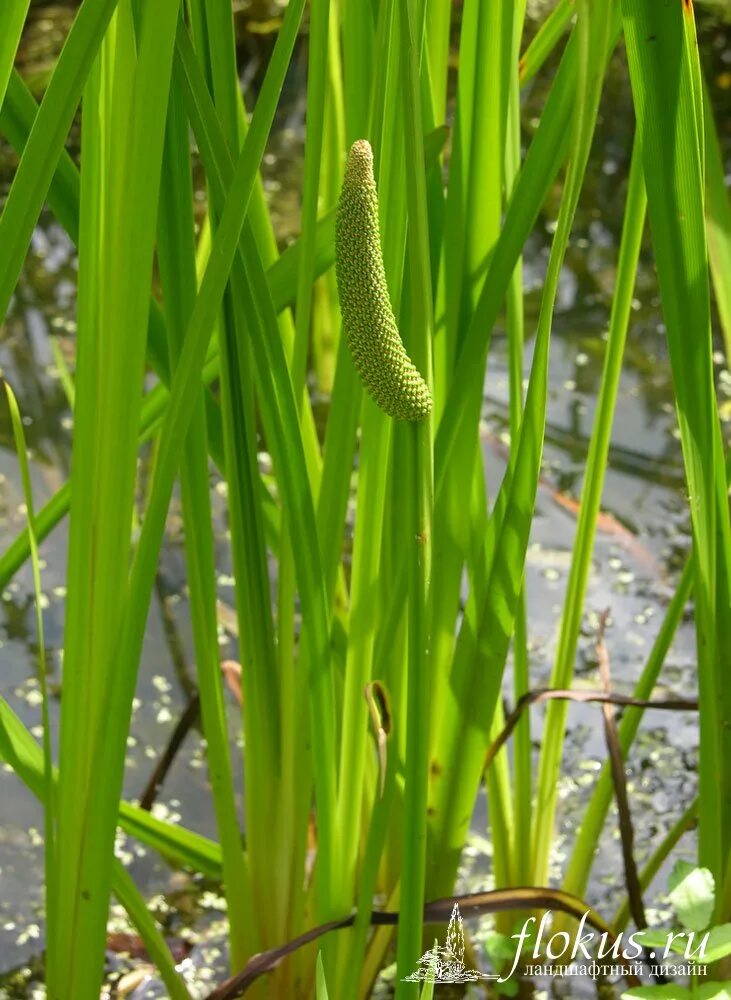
347,799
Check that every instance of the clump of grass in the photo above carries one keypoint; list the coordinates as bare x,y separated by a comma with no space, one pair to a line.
335,819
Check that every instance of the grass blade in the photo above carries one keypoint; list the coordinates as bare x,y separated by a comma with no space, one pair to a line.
14,16
546,39
573,608
664,73
48,792
321,985
126,892
176,256
718,221
22,753
419,507
489,617
129,83
279,415
45,142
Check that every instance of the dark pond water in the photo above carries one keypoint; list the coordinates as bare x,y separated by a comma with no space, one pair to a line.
634,568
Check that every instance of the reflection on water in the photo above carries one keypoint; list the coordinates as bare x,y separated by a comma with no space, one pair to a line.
635,560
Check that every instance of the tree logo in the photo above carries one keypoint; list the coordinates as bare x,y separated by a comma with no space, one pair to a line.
445,964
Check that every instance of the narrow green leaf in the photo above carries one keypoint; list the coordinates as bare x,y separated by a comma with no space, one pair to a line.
14,14
579,866
49,796
45,142
128,895
591,494
320,985
124,115
546,39
279,415
184,847
176,257
718,222
427,992
664,73
22,753
419,506
17,118
470,699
